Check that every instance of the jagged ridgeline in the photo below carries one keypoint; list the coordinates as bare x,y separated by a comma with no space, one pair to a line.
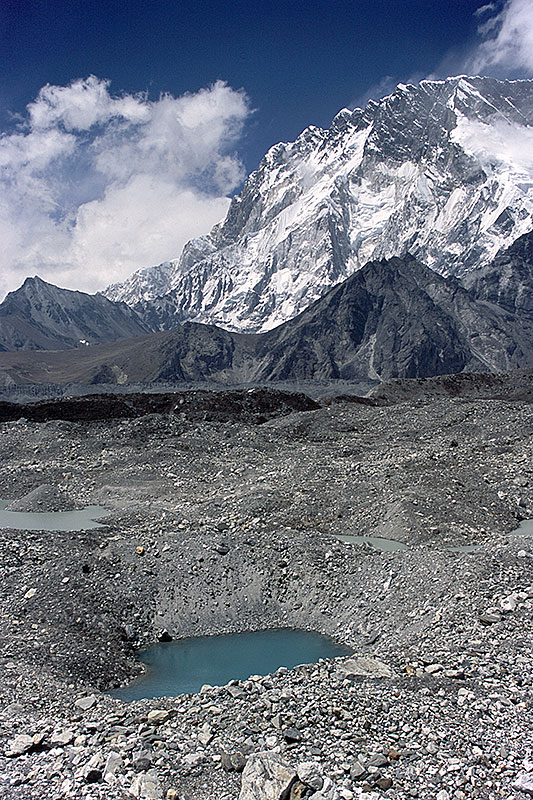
442,170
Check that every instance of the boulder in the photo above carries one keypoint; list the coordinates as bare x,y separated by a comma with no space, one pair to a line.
266,777
365,667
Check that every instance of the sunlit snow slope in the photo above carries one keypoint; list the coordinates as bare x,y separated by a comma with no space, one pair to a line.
442,170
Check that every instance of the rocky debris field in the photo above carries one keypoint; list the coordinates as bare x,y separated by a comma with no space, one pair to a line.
228,523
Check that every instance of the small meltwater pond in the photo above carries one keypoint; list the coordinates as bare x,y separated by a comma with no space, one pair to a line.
184,666
391,545
524,529
81,520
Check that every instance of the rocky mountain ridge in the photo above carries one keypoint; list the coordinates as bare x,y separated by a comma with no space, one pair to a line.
41,316
441,170
393,318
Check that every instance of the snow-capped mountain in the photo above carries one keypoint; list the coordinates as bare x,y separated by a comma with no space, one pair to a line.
442,170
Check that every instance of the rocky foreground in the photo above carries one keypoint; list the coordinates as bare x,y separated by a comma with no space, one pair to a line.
223,522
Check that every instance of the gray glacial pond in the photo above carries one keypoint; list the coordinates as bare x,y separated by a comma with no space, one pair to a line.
385,545
524,529
52,520
183,666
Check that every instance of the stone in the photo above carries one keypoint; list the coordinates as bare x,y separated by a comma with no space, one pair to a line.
266,776
205,738
85,703
158,716
490,617
524,782
379,760
508,604
328,791
93,775
309,772
114,762
384,783
357,771
19,745
233,762
365,667
142,764
61,738
292,735
147,785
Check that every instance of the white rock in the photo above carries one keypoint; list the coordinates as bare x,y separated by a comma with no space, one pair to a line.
19,745
524,782
157,716
265,777
85,702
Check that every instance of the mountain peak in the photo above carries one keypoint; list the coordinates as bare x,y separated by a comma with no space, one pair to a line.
41,316
423,171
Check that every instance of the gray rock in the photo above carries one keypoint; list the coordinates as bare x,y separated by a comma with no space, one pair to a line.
19,745
147,785
309,772
490,617
357,771
233,762
366,667
84,703
265,777
524,782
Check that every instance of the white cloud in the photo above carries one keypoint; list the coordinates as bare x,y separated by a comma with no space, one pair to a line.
94,186
507,40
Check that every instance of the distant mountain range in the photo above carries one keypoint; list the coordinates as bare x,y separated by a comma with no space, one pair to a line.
393,318
442,170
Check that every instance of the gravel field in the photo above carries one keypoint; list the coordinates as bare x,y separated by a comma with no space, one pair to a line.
226,521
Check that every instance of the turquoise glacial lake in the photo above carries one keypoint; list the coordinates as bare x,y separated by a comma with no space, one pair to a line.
183,666
81,520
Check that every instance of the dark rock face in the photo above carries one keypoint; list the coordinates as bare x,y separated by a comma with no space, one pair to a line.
397,318
508,280
393,318
40,316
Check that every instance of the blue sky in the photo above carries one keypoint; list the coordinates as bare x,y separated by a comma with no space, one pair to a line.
106,174
300,61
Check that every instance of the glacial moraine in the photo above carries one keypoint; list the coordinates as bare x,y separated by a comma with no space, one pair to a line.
227,526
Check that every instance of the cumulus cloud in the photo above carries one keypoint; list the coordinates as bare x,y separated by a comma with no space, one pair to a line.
94,186
506,46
